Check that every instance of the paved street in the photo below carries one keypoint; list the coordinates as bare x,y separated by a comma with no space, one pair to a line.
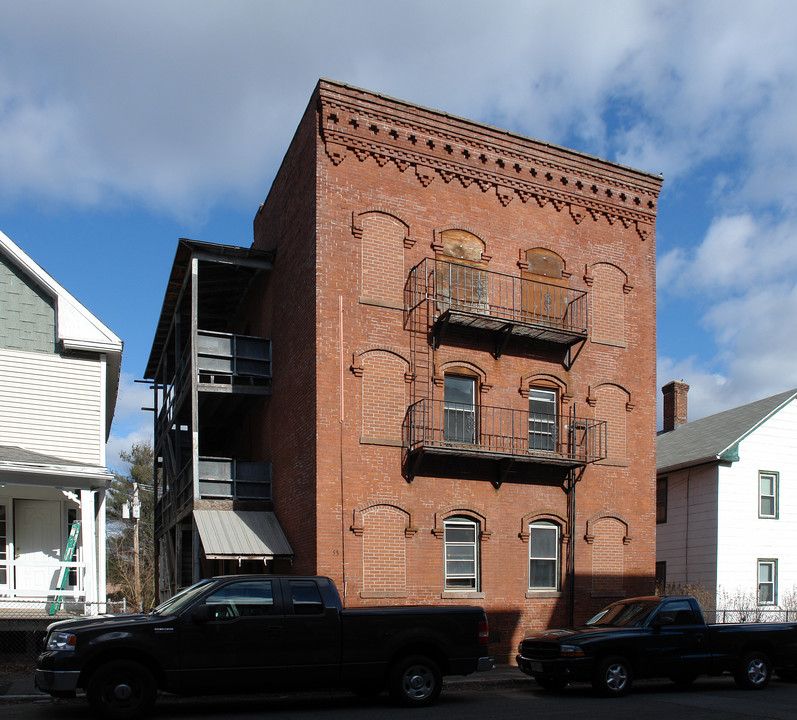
657,700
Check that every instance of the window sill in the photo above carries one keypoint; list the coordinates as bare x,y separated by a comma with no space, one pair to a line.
461,595
390,304
542,594
388,442
385,594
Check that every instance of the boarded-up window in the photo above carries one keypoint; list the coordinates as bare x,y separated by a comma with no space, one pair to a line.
382,258
608,305
607,555
384,395
611,406
384,553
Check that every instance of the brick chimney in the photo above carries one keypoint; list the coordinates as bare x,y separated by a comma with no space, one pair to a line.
674,404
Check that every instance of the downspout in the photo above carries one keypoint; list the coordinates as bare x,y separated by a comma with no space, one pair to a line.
571,547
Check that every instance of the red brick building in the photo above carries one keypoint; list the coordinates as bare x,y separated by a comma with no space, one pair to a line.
431,377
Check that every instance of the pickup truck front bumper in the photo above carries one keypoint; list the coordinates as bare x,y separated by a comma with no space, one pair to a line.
59,683
558,669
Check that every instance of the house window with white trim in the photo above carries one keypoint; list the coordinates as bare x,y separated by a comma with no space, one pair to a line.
767,495
461,540
3,545
543,556
767,582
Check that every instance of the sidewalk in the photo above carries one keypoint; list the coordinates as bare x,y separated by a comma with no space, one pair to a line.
16,688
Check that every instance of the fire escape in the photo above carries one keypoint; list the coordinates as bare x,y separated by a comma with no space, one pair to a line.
444,297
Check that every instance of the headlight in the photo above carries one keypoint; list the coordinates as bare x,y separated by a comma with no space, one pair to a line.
570,651
61,641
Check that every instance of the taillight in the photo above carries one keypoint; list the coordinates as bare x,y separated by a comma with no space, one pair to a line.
484,632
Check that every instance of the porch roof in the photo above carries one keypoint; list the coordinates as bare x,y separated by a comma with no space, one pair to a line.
241,534
27,467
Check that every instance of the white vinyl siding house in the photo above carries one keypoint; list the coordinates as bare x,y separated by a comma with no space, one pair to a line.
53,404
59,375
716,534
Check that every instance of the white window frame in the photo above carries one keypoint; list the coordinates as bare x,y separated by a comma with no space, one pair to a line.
456,579
5,531
543,426
769,584
773,479
544,526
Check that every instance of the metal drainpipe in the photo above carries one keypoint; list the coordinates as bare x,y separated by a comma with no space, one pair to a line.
571,549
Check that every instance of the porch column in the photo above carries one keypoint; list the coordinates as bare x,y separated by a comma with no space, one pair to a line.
87,536
102,592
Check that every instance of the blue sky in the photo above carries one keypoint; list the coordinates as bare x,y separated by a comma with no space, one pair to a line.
125,126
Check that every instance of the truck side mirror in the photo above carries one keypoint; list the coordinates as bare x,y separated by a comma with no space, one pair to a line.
202,614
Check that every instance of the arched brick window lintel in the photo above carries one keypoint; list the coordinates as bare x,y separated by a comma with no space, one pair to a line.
438,241
589,537
359,356
461,367
543,514
592,394
357,526
357,219
464,510
534,379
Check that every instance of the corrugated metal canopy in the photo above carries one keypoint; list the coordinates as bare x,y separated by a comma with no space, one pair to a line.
241,534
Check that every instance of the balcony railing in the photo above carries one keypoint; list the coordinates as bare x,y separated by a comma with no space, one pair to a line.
475,297
234,479
233,357
219,479
438,427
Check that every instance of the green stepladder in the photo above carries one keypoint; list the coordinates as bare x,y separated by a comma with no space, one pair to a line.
63,576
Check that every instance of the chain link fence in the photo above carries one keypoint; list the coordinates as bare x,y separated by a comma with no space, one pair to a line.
23,623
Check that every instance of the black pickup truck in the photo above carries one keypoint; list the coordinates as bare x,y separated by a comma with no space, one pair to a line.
652,637
256,633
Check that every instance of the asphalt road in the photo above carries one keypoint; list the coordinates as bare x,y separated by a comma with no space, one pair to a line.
707,699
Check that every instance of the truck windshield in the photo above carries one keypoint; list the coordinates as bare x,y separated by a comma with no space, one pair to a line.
184,597
624,614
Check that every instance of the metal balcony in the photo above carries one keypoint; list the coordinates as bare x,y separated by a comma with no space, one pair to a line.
471,296
434,427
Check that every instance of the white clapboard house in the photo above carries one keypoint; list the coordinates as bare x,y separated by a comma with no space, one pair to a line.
727,501
59,377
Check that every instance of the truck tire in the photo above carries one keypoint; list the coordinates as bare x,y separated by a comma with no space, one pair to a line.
121,689
612,677
415,681
754,671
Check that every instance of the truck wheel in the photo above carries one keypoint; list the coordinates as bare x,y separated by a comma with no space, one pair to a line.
121,689
415,681
754,671
612,676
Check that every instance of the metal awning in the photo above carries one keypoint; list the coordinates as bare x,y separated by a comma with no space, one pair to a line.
241,535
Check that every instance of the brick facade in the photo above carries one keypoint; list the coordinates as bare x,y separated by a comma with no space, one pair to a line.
369,188
384,221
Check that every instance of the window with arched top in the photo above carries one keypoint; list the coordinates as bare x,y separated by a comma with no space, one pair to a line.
544,555
461,279
459,408
544,289
461,542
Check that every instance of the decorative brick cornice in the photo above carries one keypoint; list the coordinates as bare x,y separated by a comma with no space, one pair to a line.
441,148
